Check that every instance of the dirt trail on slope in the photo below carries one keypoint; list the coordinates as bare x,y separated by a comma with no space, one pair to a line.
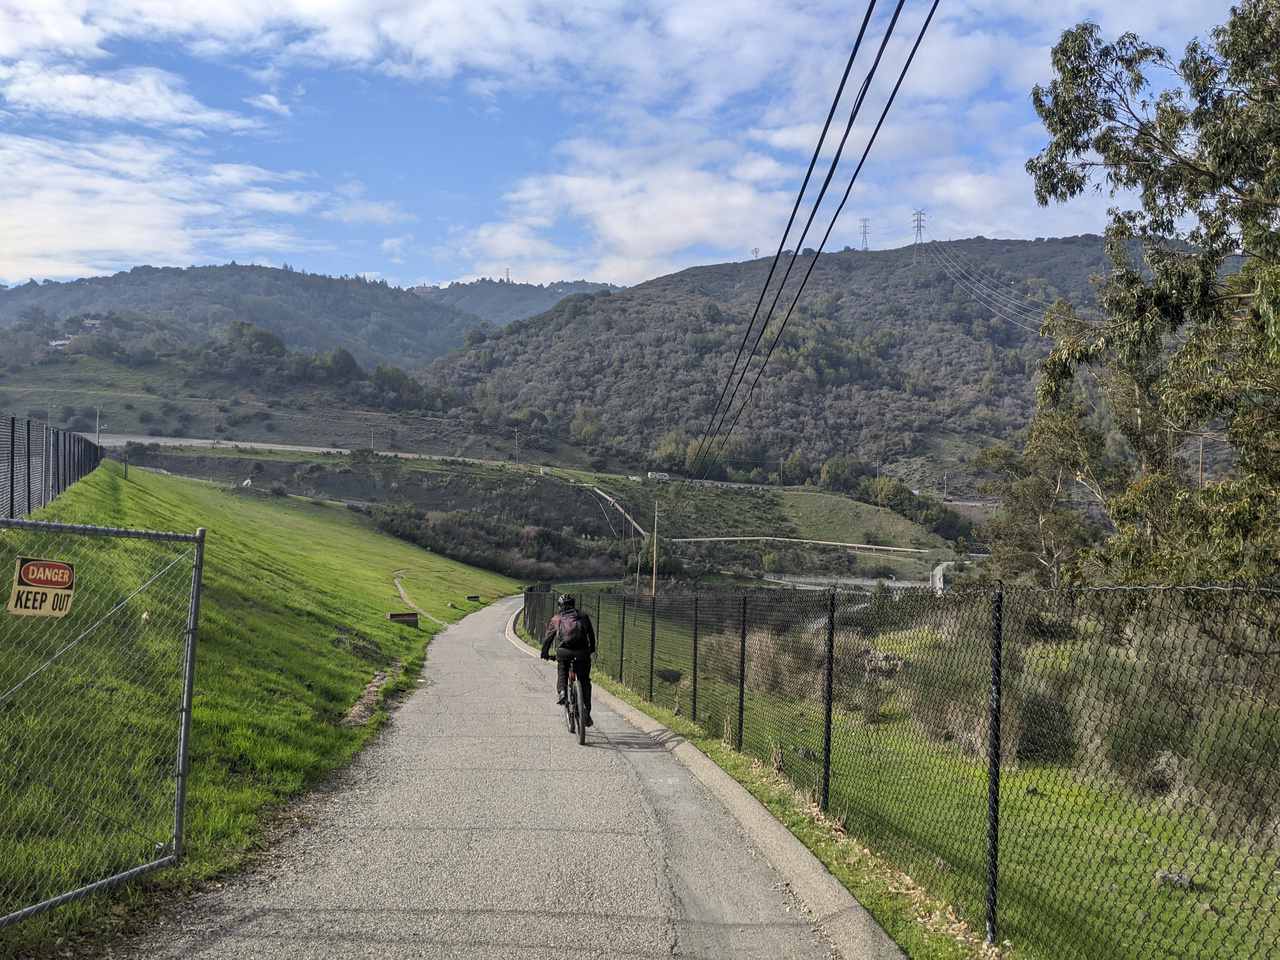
405,597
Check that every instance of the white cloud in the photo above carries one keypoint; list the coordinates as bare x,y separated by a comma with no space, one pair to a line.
760,168
75,207
394,247
704,116
640,211
141,95
276,201
270,103
352,206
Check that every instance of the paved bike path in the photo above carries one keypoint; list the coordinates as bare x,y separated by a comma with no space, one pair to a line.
476,827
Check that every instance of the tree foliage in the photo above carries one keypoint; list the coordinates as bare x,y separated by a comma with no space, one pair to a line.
1188,349
370,319
501,302
880,359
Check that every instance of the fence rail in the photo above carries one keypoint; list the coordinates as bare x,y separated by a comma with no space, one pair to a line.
37,463
97,667
1088,774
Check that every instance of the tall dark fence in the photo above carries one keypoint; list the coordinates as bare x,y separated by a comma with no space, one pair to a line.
38,462
1088,774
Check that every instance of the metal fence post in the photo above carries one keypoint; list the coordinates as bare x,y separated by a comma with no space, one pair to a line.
13,463
825,796
993,761
27,452
742,674
653,638
695,659
188,686
622,638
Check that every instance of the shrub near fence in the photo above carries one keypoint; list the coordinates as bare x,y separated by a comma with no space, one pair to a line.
1087,774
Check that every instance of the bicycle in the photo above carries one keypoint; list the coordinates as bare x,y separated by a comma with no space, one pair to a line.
573,699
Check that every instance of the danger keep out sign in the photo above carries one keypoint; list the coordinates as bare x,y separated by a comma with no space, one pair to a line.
42,588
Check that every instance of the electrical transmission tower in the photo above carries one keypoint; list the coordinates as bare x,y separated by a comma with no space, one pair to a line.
865,222
917,220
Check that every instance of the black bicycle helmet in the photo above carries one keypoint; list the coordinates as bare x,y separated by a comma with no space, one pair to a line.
566,601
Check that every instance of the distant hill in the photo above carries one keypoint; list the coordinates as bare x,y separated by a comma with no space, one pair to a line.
889,359
501,302
372,320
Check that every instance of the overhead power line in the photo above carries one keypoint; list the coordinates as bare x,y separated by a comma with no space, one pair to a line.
968,266
831,226
999,311
1029,308
782,243
985,298
835,161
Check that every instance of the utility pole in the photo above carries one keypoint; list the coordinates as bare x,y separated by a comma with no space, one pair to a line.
944,486
97,429
654,581
865,222
917,220
371,446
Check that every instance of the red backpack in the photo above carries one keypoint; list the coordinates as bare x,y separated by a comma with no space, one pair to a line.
571,632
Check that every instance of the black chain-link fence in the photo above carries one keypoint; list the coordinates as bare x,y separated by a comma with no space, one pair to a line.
38,462
1087,774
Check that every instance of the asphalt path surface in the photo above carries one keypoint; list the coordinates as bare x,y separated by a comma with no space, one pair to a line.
476,827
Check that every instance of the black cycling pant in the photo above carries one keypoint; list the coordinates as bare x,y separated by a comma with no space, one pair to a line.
582,667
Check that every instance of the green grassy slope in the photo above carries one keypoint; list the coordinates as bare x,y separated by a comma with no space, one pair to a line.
292,630
827,516
686,510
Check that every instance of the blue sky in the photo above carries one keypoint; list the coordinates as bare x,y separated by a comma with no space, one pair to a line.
433,140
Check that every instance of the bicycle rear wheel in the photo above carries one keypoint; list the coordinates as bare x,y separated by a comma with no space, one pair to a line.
579,700
571,706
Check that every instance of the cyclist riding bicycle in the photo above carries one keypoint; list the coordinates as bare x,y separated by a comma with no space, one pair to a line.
575,640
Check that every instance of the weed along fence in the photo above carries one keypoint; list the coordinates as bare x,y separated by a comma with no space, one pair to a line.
1086,774
97,664
38,462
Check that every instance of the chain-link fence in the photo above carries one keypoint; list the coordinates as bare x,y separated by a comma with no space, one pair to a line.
97,660
38,462
1087,774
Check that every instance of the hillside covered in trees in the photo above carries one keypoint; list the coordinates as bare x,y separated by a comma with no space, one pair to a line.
500,302
886,358
893,360
375,322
